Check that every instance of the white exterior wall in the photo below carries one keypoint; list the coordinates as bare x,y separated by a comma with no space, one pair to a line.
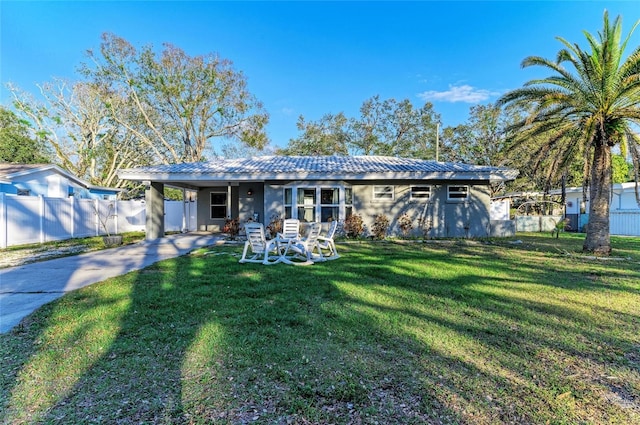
499,209
623,198
57,186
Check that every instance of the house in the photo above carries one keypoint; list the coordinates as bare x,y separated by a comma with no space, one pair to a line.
48,180
441,199
538,211
624,209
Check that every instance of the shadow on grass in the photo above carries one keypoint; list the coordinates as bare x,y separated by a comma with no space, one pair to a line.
388,333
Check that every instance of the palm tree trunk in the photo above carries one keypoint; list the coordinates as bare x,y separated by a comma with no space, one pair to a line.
598,240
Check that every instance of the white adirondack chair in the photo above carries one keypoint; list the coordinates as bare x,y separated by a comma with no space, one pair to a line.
290,229
300,252
325,242
260,246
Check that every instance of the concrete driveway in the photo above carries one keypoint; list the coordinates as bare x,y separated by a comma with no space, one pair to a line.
25,288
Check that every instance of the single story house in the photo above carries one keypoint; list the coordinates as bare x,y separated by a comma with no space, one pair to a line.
48,180
624,210
441,199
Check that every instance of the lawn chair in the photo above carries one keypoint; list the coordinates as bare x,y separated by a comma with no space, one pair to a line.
325,242
290,229
303,249
260,247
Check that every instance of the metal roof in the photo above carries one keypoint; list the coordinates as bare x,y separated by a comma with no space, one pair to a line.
316,167
9,172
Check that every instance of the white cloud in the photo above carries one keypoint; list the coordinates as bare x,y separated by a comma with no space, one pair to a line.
464,93
287,111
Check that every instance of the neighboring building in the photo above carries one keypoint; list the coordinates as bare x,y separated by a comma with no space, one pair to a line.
623,199
50,181
537,211
624,211
450,200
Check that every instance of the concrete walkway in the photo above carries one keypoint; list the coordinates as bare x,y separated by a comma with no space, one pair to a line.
25,288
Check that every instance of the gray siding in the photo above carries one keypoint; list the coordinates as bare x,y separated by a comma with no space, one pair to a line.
441,218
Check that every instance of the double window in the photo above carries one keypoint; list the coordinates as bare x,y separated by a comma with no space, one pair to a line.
420,193
383,193
318,203
457,193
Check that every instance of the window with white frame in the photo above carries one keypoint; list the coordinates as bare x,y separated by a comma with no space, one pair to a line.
24,192
420,193
457,193
348,202
306,204
329,204
288,202
218,205
318,203
383,193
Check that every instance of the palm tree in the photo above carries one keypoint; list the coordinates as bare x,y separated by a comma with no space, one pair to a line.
586,109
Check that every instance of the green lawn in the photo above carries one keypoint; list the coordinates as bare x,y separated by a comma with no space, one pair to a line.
391,333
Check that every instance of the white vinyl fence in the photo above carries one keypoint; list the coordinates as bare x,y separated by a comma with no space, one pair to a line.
625,222
31,219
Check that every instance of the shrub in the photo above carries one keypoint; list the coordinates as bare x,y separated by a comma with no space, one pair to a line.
274,226
231,227
406,225
353,226
380,226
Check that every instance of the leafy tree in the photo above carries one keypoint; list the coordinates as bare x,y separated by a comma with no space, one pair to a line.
395,128
327,136
482,139
621,169
177,104
16,144
383,128
586,110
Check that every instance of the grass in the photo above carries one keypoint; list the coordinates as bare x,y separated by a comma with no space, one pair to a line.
392,333
55,249
93,243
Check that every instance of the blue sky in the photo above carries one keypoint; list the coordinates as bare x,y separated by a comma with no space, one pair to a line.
312,58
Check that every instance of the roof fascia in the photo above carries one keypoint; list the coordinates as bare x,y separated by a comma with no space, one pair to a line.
55,168
168,177
34,170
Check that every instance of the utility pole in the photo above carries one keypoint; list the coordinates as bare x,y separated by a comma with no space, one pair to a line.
437,140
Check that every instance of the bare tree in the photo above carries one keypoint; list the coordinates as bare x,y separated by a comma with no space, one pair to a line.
73,120
177,104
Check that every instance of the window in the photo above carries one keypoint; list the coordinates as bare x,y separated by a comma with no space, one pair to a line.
420,193
383,193
329,204
457,193
348,201
288,203
306,204
318,203
218,205
24,192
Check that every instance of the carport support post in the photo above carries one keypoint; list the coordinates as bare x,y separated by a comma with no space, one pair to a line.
154,198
